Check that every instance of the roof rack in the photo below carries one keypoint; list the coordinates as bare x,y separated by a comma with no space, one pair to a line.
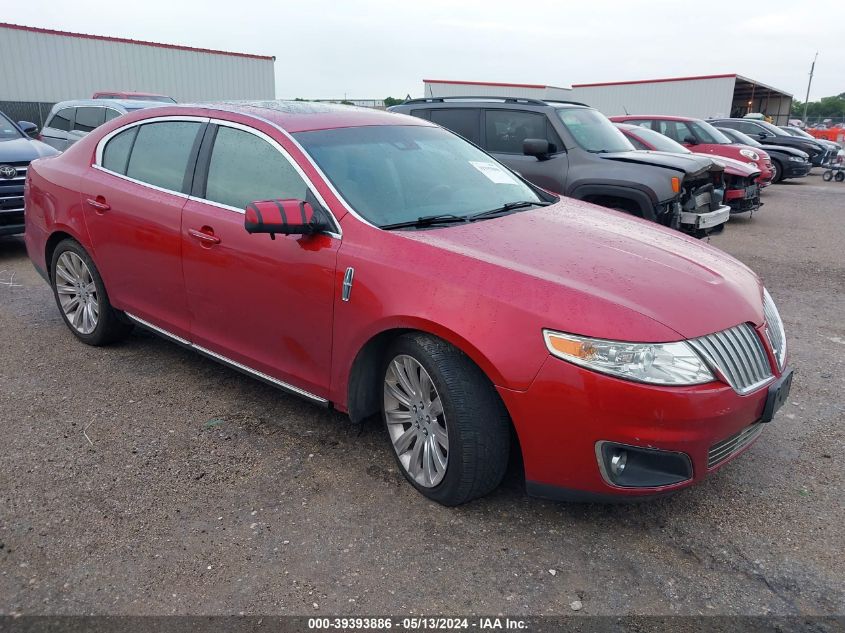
525,100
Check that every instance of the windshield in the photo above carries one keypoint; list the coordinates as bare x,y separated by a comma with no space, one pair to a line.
771,128
744,139
392,173
593,131
706,133
8,131
794,131
659,142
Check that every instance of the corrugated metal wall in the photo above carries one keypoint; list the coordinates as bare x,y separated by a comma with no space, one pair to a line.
446,89
44,67
701,98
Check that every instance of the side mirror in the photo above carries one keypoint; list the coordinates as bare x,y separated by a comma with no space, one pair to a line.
538,147
762,136
287,217
30,129
690,140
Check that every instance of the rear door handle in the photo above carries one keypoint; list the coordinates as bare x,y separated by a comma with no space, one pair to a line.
205,235
99,203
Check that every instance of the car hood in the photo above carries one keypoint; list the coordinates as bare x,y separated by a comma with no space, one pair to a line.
597,272
679,162
737,167
792,151
21,149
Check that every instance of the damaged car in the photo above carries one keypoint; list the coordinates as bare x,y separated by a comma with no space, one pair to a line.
738,183
572,149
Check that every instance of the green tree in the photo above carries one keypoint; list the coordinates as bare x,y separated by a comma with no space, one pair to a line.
825,107
390,101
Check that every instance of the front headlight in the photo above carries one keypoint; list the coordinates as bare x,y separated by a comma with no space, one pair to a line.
750,153
655,363
797,159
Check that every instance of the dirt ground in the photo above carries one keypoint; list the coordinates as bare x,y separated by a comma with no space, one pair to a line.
145,479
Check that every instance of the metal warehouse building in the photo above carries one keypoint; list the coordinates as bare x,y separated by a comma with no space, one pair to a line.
702,97
41,67
448,88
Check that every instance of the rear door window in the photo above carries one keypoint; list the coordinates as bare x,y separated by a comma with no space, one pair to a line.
463,121
88,119
507,129
161,153
245,168
62,120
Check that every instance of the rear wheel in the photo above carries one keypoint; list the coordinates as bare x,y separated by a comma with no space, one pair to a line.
449,429
840,176
82,298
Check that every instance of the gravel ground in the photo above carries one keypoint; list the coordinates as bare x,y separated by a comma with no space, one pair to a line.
144,479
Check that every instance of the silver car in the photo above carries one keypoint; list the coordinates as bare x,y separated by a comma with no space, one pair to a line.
69,121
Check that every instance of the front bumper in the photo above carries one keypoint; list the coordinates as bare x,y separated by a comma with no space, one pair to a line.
796,170
706,220
744,200
568,410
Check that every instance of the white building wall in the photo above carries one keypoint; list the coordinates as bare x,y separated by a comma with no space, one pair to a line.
49,67
701,98
456,89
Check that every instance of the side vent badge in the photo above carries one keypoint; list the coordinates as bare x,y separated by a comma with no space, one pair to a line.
347,284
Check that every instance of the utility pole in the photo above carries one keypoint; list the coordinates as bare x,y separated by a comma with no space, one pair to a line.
809,83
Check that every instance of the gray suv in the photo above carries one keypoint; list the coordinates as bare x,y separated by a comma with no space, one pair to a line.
69,121
572,149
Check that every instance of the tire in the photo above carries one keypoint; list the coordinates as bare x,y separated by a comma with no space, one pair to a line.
827,176
777,176
81,297
470,416
840,176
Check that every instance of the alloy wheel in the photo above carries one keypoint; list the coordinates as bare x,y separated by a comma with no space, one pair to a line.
416,421
77,292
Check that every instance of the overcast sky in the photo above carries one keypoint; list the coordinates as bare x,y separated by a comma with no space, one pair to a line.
378,48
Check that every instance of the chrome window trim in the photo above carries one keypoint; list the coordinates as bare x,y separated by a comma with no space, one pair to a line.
227,361
286,155
310,160
140,182
101,144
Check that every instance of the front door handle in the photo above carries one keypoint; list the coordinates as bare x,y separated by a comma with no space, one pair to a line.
205,235
99,204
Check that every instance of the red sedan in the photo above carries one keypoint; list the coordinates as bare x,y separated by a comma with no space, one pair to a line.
701,137
379,264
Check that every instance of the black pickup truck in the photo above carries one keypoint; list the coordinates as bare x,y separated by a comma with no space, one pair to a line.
572,149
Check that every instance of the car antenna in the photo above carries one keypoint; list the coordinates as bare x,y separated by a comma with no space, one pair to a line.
626,111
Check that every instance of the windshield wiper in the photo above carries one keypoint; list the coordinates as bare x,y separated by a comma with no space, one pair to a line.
426,220
510,206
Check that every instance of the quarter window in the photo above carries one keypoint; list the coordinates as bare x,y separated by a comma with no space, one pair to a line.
111,114
62,120
161,153
88,119
116,151
245,168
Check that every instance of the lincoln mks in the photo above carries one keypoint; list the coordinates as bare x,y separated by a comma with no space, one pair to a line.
379,264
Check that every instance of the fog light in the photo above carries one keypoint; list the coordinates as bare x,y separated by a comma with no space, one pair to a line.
636,467
617,462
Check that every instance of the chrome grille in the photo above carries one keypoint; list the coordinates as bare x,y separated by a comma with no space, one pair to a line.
774,328
738,355
721,451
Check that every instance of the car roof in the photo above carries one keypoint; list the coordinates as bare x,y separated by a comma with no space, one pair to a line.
659,117
130,94
296,116
126,104
516,103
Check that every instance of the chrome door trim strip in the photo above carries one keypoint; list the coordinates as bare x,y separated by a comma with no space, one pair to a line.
228,361
158,330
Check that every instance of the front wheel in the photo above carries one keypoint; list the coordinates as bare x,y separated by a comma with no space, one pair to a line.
777,172
840,176
449,429
81,296
827,176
